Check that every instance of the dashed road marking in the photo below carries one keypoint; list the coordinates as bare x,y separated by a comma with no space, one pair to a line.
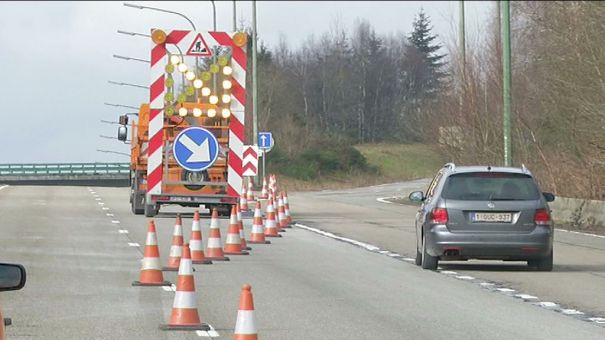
3,186
122,231
133,244
115,222
600,321
109,215
100,203
105,208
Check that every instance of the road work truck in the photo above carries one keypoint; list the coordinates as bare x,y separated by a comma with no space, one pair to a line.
187,142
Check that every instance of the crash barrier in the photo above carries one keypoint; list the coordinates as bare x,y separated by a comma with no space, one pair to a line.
60,169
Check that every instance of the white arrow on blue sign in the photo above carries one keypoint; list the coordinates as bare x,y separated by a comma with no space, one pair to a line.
195,149
265,140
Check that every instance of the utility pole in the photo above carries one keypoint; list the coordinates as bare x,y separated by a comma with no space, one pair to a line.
234,17
506,84
254,84
462,39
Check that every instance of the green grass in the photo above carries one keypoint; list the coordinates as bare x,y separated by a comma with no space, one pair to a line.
402,161
395,162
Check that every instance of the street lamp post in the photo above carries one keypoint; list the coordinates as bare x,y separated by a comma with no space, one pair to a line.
213,15
127,84
506,84
130,58
161,10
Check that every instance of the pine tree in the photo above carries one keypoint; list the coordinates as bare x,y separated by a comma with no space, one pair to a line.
422,40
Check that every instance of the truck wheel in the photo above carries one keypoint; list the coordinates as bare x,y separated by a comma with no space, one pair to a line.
150,210
137,199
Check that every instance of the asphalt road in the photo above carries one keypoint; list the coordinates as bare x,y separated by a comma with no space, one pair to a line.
305,286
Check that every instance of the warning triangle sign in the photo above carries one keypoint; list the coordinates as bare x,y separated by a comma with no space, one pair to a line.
199,48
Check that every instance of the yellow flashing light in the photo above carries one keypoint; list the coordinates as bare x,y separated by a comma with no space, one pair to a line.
158,36
240,39
211,113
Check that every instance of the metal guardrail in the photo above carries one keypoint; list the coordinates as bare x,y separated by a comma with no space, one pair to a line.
61,169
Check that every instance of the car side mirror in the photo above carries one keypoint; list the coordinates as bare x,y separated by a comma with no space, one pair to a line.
12,276
416,196
548,196
122,133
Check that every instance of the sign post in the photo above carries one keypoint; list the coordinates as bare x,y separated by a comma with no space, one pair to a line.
265,144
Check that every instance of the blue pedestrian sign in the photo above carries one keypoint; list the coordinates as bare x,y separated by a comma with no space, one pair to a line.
265,140
195,149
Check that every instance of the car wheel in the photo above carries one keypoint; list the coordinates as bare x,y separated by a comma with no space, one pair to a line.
543,264
150,210
428,261
418,257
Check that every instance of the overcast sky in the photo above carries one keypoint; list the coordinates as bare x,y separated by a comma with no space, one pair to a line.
57,59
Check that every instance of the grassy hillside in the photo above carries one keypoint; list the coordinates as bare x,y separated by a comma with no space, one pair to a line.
394,162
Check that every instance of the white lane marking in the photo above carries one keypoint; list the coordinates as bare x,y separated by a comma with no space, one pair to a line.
526,297
394,255
448,272
505,290
383,200
3,186
167,289
97,198
133,244
409,259
115,222
92,192
122,231
212,333
101,203
109,215
547,304
579,233
465,277
105,208
367,246
489,285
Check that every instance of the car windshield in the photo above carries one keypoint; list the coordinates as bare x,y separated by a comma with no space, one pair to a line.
490,186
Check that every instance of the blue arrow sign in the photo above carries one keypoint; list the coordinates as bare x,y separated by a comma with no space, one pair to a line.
195,149
265,140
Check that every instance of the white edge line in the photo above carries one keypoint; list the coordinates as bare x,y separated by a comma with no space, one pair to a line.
544,304
3,186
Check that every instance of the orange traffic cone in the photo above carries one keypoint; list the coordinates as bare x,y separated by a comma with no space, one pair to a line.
257,236
263,192
250,196
243,201
287,208
283,219
151,271
176,249
196,244
270,224
214,250
184,315
233,243
240,224
245,326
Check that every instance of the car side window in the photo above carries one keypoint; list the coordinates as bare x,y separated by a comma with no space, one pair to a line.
431,190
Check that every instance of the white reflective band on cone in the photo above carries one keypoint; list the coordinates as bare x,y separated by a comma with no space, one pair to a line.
246,322
184,300
178,230
214,242
152,240
195,226
150,263
257,229
176,251
233,239
185,267
195,245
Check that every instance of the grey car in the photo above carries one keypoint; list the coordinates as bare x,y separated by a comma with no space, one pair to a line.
484,212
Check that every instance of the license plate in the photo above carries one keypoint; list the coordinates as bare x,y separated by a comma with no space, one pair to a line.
492,217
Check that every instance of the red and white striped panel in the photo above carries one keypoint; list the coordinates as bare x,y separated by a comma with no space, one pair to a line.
159,59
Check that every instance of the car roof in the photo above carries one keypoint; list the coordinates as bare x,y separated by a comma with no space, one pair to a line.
487,168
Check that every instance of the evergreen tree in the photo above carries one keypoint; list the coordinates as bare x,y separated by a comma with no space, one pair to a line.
422,40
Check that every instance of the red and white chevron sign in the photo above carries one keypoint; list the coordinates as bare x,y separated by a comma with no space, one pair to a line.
250,165
184,40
